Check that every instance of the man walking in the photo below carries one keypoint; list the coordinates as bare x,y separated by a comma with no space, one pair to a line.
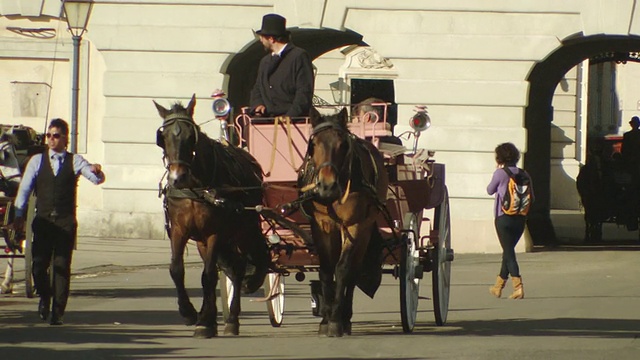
54,175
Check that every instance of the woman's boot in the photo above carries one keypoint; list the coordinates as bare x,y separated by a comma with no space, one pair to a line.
518,289
496,290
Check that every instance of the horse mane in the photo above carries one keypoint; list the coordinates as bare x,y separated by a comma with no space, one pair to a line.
239,169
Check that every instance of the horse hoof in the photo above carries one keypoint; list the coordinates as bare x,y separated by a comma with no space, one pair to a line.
204,332
231,329
335,330
190,316
189,321
347,328
323,329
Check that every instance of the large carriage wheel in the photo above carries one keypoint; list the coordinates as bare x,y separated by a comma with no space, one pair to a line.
226,288
409,276
274,291
441,261
28,242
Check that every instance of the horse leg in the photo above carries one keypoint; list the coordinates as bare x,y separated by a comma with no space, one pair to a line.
7,285
354,245
207,325
344,279
259,258
235,267
327,251
176,269
347,310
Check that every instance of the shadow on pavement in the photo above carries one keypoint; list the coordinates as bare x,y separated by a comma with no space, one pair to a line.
565,327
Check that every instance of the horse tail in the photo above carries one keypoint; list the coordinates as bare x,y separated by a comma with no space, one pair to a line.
258,260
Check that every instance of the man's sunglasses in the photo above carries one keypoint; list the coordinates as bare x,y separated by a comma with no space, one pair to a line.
55,136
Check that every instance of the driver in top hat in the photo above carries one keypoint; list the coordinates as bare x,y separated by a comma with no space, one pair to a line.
284,85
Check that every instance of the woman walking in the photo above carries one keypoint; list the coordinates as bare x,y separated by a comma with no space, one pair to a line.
513,193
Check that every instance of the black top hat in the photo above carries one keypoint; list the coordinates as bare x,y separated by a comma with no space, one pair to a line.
634,121
273,25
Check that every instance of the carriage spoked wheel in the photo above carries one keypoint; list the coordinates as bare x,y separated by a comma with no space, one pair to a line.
226,288
410,273
274,292
442,256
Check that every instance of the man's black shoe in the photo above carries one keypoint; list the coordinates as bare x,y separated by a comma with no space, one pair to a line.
56,320
44,308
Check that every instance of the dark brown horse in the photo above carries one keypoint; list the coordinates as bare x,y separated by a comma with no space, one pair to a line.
350,185
209,186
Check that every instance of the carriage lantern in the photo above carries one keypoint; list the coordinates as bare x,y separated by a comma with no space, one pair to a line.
221,106
221,109
421,120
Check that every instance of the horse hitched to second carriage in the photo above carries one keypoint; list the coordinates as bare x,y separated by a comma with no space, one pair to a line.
608,192
17,144
341,197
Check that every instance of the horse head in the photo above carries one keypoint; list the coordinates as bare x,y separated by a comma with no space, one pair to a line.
178,137
329,151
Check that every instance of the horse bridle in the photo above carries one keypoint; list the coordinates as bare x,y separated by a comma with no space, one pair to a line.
171,120
332,126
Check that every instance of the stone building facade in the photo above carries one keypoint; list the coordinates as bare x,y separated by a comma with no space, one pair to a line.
489,72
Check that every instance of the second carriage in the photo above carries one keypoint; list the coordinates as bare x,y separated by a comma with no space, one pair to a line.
417,195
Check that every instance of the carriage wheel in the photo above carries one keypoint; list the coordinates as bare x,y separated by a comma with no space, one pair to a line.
28,242
441,261
274,290
409,277
226,288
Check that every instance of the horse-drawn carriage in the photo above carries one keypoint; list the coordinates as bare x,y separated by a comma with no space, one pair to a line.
607,189
337,199
17,144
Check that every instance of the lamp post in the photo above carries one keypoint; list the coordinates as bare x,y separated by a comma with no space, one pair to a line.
77,14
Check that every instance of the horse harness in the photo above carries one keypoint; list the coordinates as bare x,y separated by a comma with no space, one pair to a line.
351,153
206,195
170,121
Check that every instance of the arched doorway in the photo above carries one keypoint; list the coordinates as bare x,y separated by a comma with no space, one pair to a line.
543,80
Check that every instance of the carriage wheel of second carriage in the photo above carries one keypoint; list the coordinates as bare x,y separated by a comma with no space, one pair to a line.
28,258
409,281
226,288
275,302
441,261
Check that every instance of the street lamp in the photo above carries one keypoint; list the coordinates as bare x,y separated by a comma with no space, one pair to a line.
77,14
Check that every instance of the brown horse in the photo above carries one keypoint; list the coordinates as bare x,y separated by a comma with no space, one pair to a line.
209,186
350,184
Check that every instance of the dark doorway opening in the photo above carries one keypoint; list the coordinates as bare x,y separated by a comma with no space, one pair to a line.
544,78
382,89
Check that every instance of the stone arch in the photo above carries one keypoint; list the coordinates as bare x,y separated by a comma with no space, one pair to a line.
543,80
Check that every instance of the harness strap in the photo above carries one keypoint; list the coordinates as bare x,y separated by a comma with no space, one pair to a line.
286,120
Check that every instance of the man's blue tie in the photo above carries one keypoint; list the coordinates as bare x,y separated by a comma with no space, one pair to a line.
59,160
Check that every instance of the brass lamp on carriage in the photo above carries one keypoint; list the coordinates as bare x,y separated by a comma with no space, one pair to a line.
421,120
419,123
221,109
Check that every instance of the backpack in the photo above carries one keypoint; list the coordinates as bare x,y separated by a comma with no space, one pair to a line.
517,199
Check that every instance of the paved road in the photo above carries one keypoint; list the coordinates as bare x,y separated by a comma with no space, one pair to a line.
579,305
